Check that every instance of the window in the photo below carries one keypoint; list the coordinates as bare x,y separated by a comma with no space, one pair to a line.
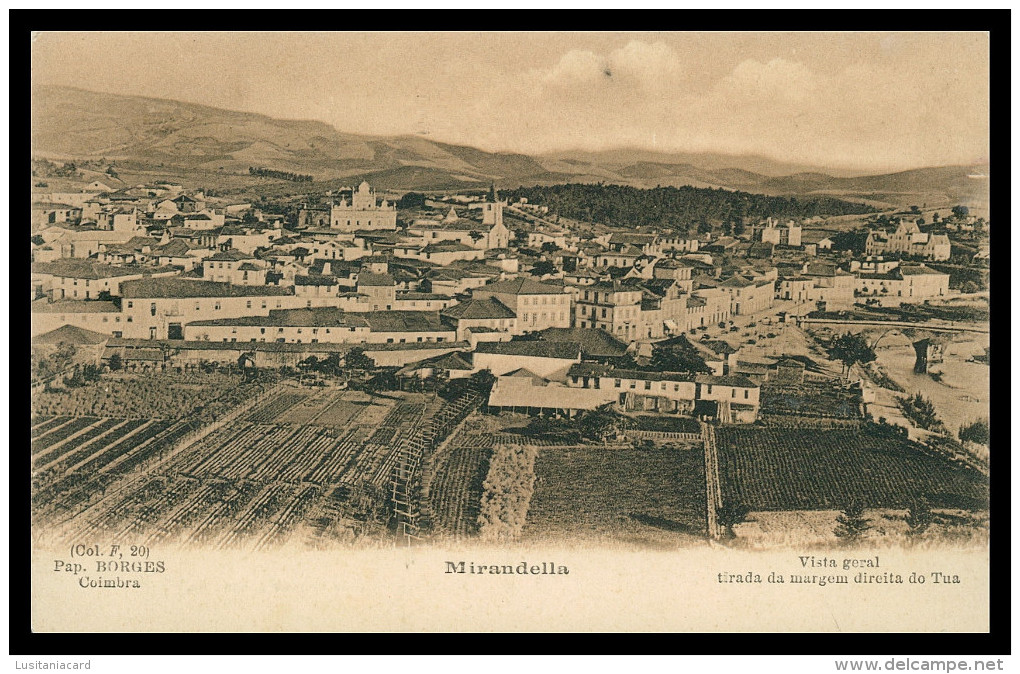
233,331
247,305
131,305
603,312
389,340
217,307
263,304
116,319
676,387
663,386
709,388
733,393
633,384
279,329
648,386
746,394
299,331
152,308
262,331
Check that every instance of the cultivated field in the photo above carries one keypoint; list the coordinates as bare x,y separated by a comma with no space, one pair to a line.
818,469
290,465
812,398
644,497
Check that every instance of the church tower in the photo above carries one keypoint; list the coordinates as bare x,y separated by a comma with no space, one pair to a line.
492,212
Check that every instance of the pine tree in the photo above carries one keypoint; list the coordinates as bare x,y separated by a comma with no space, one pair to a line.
919,517
851,525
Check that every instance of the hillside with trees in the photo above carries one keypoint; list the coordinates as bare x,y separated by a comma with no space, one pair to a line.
682,208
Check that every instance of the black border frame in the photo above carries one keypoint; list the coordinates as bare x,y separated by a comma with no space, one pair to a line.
996,22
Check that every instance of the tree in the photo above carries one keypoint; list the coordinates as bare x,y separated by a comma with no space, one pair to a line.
919,517
411,200
549,247
975,432
115,362
851,525
542,268
357,360
915,210
731,515
739,227
851,349
483,380
600,424
960,211
681,357
969,287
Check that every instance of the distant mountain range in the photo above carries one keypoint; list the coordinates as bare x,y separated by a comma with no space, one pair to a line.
177,138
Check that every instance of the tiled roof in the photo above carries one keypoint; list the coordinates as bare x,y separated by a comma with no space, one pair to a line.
909,270
299,318
726,380
176,287
70,334
315,280
521,286
594,342
377,280
487,308
595,370
404,321
456,360
564,350
230,255
86,269
446,247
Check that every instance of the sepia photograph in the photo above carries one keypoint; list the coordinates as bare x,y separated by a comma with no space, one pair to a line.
346,331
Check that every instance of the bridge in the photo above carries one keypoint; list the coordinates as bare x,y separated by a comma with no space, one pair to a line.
930,326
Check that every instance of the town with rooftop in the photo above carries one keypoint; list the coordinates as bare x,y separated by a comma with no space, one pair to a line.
361,365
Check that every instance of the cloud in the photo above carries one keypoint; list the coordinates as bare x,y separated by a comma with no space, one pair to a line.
637,64
776,80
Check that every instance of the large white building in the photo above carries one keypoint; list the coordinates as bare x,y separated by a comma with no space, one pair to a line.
909,240
362,212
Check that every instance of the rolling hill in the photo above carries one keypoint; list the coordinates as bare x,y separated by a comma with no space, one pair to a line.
200,143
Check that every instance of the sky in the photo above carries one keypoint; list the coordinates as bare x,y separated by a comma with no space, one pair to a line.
857,101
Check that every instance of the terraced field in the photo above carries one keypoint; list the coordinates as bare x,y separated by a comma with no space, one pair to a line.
645,497
293,464
815,469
